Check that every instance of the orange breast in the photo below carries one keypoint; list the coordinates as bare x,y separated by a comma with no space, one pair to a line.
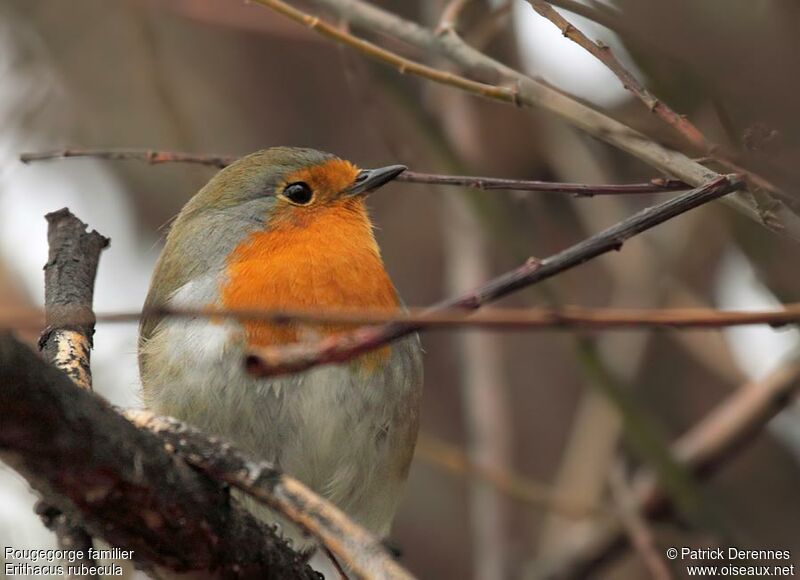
310,258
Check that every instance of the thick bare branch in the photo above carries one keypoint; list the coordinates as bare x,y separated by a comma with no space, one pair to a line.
69,286
93,464
352,544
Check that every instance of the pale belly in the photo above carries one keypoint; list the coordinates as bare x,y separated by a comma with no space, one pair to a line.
346,431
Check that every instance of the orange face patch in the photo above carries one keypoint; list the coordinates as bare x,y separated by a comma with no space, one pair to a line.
327,180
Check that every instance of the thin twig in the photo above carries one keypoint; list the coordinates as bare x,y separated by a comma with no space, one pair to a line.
602,52
514,319
679,123
342,347
348,541
147,155
603,17
656,185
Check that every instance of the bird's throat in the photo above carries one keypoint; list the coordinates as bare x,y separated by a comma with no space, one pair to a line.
328,261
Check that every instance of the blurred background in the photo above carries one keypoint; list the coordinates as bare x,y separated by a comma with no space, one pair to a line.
220,76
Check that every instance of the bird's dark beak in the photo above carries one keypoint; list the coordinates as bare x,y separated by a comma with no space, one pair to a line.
368,180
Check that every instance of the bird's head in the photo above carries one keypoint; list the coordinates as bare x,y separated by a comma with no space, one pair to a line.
288,186
280,228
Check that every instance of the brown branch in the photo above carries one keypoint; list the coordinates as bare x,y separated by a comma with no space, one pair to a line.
69,278
656,185
69,288
604,54
723,433
679,123
533,93
511,319
342,347
352,544
121,483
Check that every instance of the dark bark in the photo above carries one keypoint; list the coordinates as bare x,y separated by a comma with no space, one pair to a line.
121,483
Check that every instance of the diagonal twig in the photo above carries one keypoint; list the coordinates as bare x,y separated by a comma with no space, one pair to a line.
679,123
342,347
603,53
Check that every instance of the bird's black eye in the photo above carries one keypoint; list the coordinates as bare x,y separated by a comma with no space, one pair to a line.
299,193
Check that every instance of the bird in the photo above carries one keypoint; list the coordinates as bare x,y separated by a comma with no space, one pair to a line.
286,228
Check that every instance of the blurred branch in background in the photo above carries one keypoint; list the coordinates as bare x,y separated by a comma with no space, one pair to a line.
484,386
721,434
597,425
639,533
528,492
484,392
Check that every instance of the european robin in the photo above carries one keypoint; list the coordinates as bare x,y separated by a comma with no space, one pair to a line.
286,228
